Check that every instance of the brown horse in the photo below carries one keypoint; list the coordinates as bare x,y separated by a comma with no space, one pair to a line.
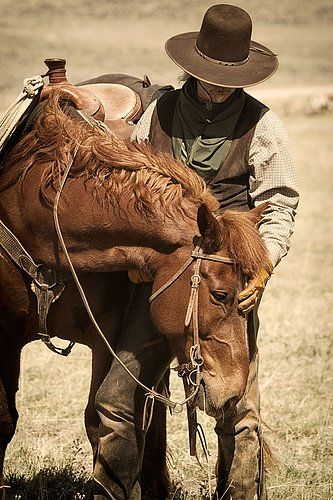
125,207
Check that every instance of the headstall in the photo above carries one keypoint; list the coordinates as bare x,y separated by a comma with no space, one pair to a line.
191,370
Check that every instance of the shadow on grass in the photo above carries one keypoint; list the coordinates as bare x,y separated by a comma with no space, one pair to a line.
53,483
49,484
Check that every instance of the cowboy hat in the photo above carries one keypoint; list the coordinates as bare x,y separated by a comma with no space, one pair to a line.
222,52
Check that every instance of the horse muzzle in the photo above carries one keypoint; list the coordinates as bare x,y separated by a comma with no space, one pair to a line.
215,402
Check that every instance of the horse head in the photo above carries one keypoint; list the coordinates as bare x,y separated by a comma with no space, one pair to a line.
239,251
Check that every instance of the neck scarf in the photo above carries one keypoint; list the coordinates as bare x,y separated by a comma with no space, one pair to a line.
202,137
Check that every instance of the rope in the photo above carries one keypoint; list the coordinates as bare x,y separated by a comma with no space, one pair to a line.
11,118
176,406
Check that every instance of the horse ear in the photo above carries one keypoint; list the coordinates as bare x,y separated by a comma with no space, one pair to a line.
210,229
256,213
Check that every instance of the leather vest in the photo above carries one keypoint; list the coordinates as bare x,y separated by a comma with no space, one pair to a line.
231,183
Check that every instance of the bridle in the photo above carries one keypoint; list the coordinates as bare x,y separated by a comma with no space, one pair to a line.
192,369
191,372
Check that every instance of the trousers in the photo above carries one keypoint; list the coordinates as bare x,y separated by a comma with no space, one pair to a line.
120,404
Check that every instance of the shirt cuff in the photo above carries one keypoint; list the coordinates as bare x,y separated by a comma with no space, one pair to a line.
275,252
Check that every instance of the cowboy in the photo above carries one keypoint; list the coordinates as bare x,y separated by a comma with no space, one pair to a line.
240,148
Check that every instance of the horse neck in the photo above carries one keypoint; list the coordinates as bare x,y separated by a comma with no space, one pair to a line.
143,241
155,245
99,237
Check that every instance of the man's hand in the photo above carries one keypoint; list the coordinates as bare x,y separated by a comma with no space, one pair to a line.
254,290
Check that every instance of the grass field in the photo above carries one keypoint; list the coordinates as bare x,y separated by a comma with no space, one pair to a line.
50,457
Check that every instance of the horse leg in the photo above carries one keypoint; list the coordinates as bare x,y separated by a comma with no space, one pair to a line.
155,476
14,311
9,374
7,429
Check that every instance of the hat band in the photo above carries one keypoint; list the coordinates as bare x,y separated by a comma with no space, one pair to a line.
217,61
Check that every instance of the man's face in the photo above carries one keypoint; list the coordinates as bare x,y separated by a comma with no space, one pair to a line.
212,93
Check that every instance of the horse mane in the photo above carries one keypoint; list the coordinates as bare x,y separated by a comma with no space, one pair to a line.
243,242
155,180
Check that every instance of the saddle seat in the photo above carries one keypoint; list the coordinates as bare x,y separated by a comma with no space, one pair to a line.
121,106
116,105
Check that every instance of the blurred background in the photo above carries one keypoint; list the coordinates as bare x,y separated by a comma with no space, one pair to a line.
49,457
128,36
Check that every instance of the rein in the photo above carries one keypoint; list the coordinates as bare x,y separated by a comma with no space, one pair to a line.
192,311
150,393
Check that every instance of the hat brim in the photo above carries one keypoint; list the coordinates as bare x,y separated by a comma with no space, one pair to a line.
261,64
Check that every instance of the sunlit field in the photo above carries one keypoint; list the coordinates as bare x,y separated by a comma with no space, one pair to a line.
50,457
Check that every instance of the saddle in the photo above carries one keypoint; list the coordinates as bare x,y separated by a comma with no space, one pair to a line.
121,105
118,106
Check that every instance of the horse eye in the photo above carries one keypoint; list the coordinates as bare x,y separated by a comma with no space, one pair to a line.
220,296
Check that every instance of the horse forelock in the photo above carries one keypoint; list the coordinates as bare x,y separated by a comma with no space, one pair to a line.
154,180
243,242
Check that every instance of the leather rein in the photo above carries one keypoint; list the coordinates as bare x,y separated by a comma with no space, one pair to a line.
192,314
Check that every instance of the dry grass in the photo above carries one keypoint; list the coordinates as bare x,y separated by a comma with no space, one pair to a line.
296,368
50,457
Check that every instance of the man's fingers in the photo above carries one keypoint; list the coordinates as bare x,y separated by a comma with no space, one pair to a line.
250,295
248,303
249,309
249,290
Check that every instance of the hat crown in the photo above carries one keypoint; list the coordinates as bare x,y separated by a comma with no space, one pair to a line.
225,34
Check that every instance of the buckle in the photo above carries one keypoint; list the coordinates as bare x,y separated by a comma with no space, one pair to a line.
195,280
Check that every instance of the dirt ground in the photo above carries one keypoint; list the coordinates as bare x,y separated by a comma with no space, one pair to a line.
50,458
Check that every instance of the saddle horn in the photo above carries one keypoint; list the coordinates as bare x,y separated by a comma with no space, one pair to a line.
56,70
80,98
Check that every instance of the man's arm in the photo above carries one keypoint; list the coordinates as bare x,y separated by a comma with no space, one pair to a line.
273,179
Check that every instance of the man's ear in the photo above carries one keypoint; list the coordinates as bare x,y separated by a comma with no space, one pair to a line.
210,229
256,213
